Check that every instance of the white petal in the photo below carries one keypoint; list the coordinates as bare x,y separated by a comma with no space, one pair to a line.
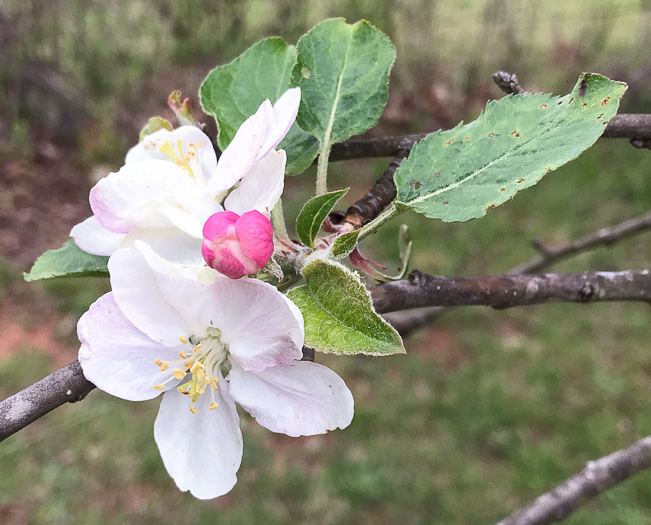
285,111
171,244
131,197
117,357
93,238
261,187
202,452
137,292
297,399
242,152
149,148
257,323
190,211
186,264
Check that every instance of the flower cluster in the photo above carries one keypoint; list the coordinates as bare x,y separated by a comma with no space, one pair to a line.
204,336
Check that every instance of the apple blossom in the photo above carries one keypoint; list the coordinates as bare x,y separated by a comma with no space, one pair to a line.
237,245
171,183
206,347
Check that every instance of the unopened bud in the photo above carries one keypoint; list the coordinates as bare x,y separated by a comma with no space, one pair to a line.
237,245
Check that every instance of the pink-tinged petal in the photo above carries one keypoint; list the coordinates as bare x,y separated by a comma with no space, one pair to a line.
256,237
285,111
149,148
127,199
242,152
117,357
258,325
297,314
297,399
137,291
220,225
228,260
202,452
93,238
261,187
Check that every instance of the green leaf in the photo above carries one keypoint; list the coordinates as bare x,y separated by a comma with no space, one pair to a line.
344,244
339,315
313,214
301,148
233,92
459,174
343,73
67,261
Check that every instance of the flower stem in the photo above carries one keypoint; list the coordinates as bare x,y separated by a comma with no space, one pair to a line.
379,221
322,169
278,221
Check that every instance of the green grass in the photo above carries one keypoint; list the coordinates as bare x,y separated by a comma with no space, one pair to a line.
489,408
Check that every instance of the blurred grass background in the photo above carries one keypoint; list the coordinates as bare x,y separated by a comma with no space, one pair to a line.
487,410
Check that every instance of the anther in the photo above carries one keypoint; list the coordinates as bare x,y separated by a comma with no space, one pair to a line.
196,348
158,362
164,367
183,339
178,373
213,405
159,387
183,355
194,410
189,363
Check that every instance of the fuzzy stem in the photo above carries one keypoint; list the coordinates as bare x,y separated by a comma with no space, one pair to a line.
278,221
379,221
322,169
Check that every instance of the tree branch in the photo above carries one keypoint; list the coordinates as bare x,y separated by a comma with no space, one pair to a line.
506,291
508,82
66,385
373,203
597,477
606,236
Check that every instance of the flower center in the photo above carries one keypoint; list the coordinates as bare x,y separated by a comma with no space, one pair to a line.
190,161
208,356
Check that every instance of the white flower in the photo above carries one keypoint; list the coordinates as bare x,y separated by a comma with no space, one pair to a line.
206,347
171,183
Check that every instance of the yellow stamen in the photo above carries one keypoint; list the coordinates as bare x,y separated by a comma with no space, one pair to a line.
214,379
178,373
183,355
189,363
196,348
158,362
194,410
164,367
159,387
183,339
213,405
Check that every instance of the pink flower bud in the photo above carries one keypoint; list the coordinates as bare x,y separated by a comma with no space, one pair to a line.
237,246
